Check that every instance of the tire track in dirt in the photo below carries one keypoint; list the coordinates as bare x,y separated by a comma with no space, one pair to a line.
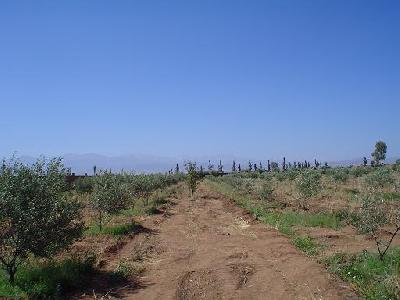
212,249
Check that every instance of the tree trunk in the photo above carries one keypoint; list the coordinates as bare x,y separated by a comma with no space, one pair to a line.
11,272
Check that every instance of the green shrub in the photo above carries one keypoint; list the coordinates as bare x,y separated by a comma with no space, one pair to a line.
266,191
308,185
36,216
49,280
292,174
193,176
358,171
340,174
109,196
374,278
84,185
374,215
380,178
280,176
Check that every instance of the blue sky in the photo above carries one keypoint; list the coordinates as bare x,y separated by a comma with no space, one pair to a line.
256,79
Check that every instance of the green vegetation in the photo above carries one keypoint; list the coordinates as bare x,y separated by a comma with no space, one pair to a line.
84,185
340,174
40,215
308,185
307,245
193,176
48,280
375,214
380,178
109,196
36,216
374,278
379,153
284,221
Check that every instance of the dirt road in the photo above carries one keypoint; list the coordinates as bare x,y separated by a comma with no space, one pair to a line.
210,249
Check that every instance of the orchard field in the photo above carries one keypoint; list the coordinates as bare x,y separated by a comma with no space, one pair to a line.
289,231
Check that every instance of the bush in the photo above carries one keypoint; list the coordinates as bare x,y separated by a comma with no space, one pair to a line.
280,176
109,195
193,176
374,215
396,166
36,217
379,178
84,185
49,280
340,174
358,171
266,191
292,174
308,185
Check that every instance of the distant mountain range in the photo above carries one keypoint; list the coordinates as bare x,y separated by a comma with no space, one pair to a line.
139,163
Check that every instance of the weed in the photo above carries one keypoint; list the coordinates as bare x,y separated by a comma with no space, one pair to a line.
307,244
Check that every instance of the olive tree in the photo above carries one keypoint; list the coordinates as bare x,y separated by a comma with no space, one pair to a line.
193,176
108,197
375,214
308,185
36,215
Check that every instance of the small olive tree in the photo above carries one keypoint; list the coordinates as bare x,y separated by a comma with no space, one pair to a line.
380,178
308,184
193,176
375,213
36,216
109,196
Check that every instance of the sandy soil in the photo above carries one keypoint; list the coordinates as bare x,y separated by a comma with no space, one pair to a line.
208,248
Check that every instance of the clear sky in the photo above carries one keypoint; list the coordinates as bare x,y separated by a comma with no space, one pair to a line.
255,79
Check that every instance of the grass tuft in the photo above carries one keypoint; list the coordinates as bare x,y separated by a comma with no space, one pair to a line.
307,244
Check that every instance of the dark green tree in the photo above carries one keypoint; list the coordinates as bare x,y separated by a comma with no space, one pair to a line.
380,152
210,166
220,167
